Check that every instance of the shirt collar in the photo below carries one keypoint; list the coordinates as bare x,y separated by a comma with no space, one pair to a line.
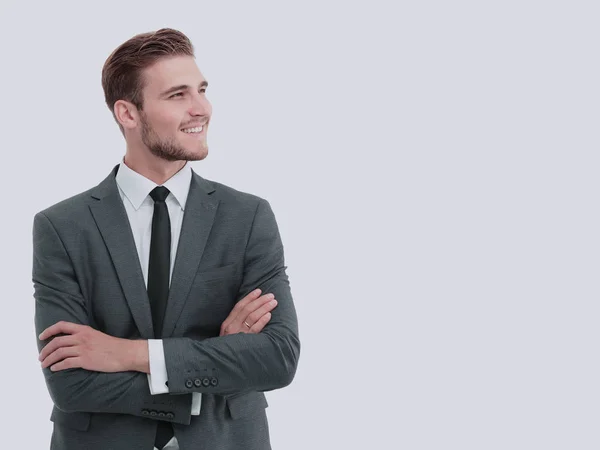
137,187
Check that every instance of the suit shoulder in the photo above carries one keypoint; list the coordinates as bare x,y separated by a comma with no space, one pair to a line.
234,196
67,207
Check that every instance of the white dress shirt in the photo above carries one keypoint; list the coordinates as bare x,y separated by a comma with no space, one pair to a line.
135,193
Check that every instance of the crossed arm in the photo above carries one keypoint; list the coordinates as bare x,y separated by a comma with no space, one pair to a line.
86,370
81,346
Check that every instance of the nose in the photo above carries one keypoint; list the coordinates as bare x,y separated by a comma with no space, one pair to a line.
200,105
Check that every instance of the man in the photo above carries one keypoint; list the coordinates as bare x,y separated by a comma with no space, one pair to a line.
162,303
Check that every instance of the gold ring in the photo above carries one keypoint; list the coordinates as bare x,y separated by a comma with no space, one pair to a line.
246,323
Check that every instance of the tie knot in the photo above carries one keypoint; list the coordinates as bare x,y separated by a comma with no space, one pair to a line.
159,193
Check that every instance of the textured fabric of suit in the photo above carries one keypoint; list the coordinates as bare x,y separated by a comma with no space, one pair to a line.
86,270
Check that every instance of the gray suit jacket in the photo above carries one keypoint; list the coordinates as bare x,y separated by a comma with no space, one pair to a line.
86,270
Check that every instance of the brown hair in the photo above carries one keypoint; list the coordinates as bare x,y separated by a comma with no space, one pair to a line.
122,72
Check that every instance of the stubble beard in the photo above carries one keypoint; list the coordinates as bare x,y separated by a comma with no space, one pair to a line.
169,149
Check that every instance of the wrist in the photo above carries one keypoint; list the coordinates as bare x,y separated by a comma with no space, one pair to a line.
136,358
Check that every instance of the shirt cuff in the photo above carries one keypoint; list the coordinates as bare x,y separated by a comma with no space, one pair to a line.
196,403
157,378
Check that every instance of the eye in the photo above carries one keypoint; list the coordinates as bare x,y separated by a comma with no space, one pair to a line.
174,95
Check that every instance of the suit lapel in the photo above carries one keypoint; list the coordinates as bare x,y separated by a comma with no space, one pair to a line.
198,218
111,218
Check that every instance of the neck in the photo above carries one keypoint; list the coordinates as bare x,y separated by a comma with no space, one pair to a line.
156,169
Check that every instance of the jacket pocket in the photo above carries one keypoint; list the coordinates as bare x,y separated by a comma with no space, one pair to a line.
218,273
245,404
77,420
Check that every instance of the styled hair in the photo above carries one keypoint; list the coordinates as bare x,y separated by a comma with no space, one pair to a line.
122,74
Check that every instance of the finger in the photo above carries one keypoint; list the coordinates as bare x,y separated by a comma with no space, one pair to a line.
238,325
59,327
59,355
247,299
238,307
267,307
238,320
61,341
69,363
256,304
260,323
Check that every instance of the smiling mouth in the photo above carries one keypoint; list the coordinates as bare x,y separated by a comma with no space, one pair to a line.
195,130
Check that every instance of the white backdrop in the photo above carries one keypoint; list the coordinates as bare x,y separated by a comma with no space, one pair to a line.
433,167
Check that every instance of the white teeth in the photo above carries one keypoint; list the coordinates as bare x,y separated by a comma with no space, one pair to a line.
193,130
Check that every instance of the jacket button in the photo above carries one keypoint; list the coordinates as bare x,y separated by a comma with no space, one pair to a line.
189,383
206,381
214,381
170,415
145,412
152,413
198,382
161,414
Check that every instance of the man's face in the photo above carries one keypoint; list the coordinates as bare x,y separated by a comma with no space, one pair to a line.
174,101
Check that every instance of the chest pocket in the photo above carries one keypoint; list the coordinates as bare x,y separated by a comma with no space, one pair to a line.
227,272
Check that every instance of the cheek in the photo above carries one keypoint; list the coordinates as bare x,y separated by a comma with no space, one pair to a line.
171,125
167,123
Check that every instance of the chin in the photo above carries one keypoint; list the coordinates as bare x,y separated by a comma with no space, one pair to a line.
198,155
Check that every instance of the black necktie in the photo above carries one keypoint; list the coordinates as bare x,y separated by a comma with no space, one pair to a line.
158,282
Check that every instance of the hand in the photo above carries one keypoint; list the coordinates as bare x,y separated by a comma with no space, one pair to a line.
84,347
253,309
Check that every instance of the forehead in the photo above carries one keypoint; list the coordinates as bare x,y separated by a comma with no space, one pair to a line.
171,71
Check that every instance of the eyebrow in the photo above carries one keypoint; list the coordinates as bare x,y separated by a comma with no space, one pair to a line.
182,87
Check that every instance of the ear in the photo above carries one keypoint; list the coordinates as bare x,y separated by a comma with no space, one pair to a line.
126,113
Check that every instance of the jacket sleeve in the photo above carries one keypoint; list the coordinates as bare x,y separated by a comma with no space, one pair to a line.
58,297
241,362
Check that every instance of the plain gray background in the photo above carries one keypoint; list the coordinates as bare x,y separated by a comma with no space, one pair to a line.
433,167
